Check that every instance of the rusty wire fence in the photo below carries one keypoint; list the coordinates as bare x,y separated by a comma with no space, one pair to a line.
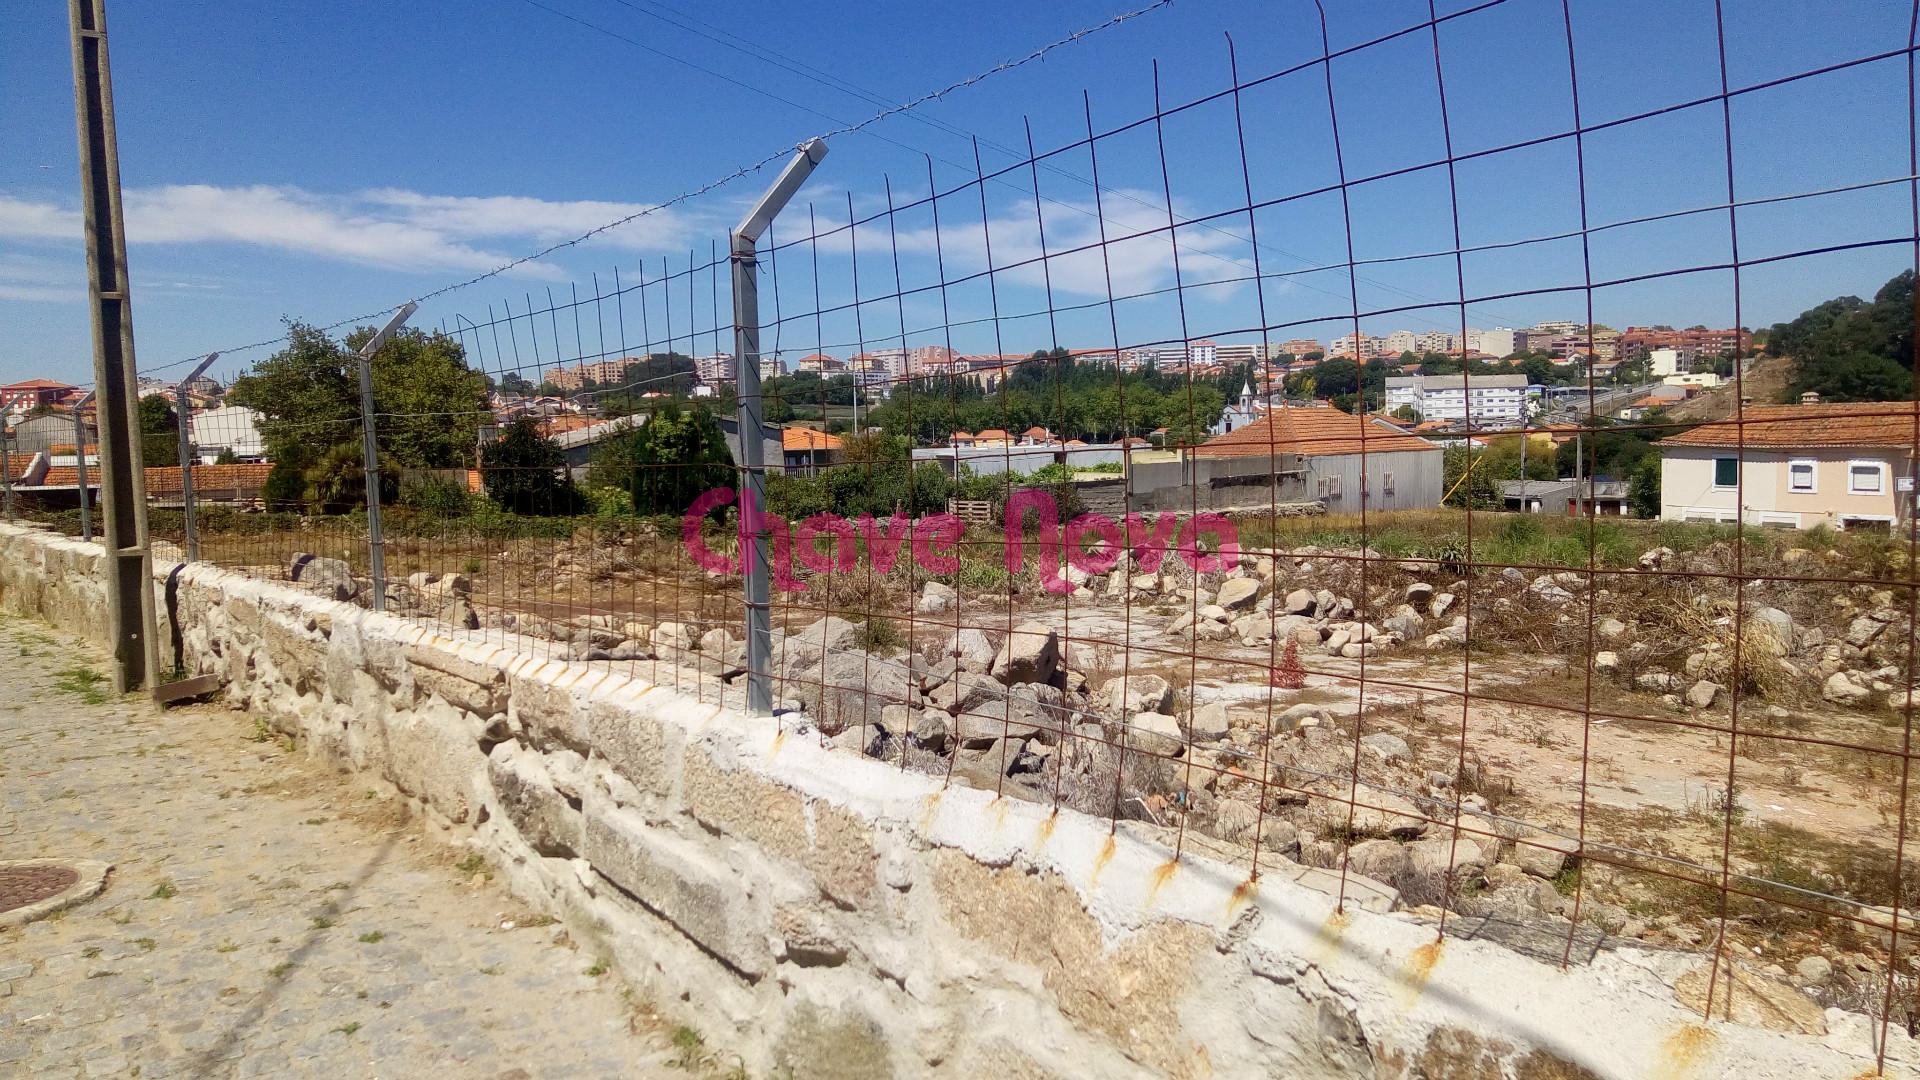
1056,510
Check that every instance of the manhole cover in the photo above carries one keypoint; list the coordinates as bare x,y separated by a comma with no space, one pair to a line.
36,888
23,885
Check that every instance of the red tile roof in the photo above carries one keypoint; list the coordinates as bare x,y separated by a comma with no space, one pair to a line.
806,438
165,480
1313,433
1863,423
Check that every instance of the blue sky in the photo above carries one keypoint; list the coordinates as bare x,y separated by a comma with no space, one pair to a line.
324,160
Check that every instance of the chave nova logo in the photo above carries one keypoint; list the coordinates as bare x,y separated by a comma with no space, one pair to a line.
1092,543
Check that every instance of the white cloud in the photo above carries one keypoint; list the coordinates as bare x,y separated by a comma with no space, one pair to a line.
389,228
37,221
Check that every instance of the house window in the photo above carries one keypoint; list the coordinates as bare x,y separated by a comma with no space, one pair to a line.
1386,484
1866,477
1726,472
1800,476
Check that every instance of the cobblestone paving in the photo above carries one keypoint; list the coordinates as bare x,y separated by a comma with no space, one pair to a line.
265,917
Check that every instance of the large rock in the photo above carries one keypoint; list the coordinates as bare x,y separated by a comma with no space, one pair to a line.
1155,733
1419,594
527,794
1031,654
936,598
331,578
1747,997
1208,723
1703,694
1841,689
965,691
1387,747
1238,593
1406,622
1771,630
1139,693
1863,630
1299,602
971,647
854,688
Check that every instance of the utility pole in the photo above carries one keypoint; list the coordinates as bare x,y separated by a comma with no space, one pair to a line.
6,468
123,486
753,478
370,449
80,463
184,410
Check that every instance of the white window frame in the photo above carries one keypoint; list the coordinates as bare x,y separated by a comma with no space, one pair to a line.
1878,466
1717,485
1813,474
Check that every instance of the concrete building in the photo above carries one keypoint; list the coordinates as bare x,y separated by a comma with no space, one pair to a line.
24,396
1400,341
715,370
1300,346
1671,361
1503,341
230,428
1848,466
1238,413
1324,456
1637,342
1484,399
1357,346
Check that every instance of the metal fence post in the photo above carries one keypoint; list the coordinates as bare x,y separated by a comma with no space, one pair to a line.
6,468
80,463
370,449
753,473
183,412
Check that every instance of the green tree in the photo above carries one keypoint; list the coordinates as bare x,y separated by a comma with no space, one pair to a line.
159,431
1847,349
430,405
1480,490
667,462
526,473
1643,487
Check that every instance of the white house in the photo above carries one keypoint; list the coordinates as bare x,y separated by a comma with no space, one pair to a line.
230,427
1848,466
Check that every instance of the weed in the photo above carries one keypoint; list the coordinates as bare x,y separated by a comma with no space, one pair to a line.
90,952
279,970
690,1045
323,922
163,891
472,864
226,947
598,969
348,1028
261,730
491,969
879,634
83,682
372,937
146,944
315,821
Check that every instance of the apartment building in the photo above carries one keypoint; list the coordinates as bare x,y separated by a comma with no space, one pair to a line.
1638,342
1485,399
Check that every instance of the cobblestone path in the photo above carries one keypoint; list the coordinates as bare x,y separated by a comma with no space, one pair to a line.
266,916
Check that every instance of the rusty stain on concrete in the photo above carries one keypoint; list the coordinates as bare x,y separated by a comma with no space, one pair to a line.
1242,895
1161,875
1101,860
1685,1051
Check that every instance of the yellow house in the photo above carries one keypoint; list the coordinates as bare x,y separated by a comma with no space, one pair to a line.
1795,467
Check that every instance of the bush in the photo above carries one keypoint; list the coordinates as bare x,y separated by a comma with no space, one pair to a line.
440,495
526,473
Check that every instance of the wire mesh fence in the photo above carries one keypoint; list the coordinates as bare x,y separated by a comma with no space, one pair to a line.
1061,504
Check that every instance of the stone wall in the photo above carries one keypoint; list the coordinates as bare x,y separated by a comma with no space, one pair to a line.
833,916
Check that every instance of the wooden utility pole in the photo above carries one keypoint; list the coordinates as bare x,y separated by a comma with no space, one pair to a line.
123,486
